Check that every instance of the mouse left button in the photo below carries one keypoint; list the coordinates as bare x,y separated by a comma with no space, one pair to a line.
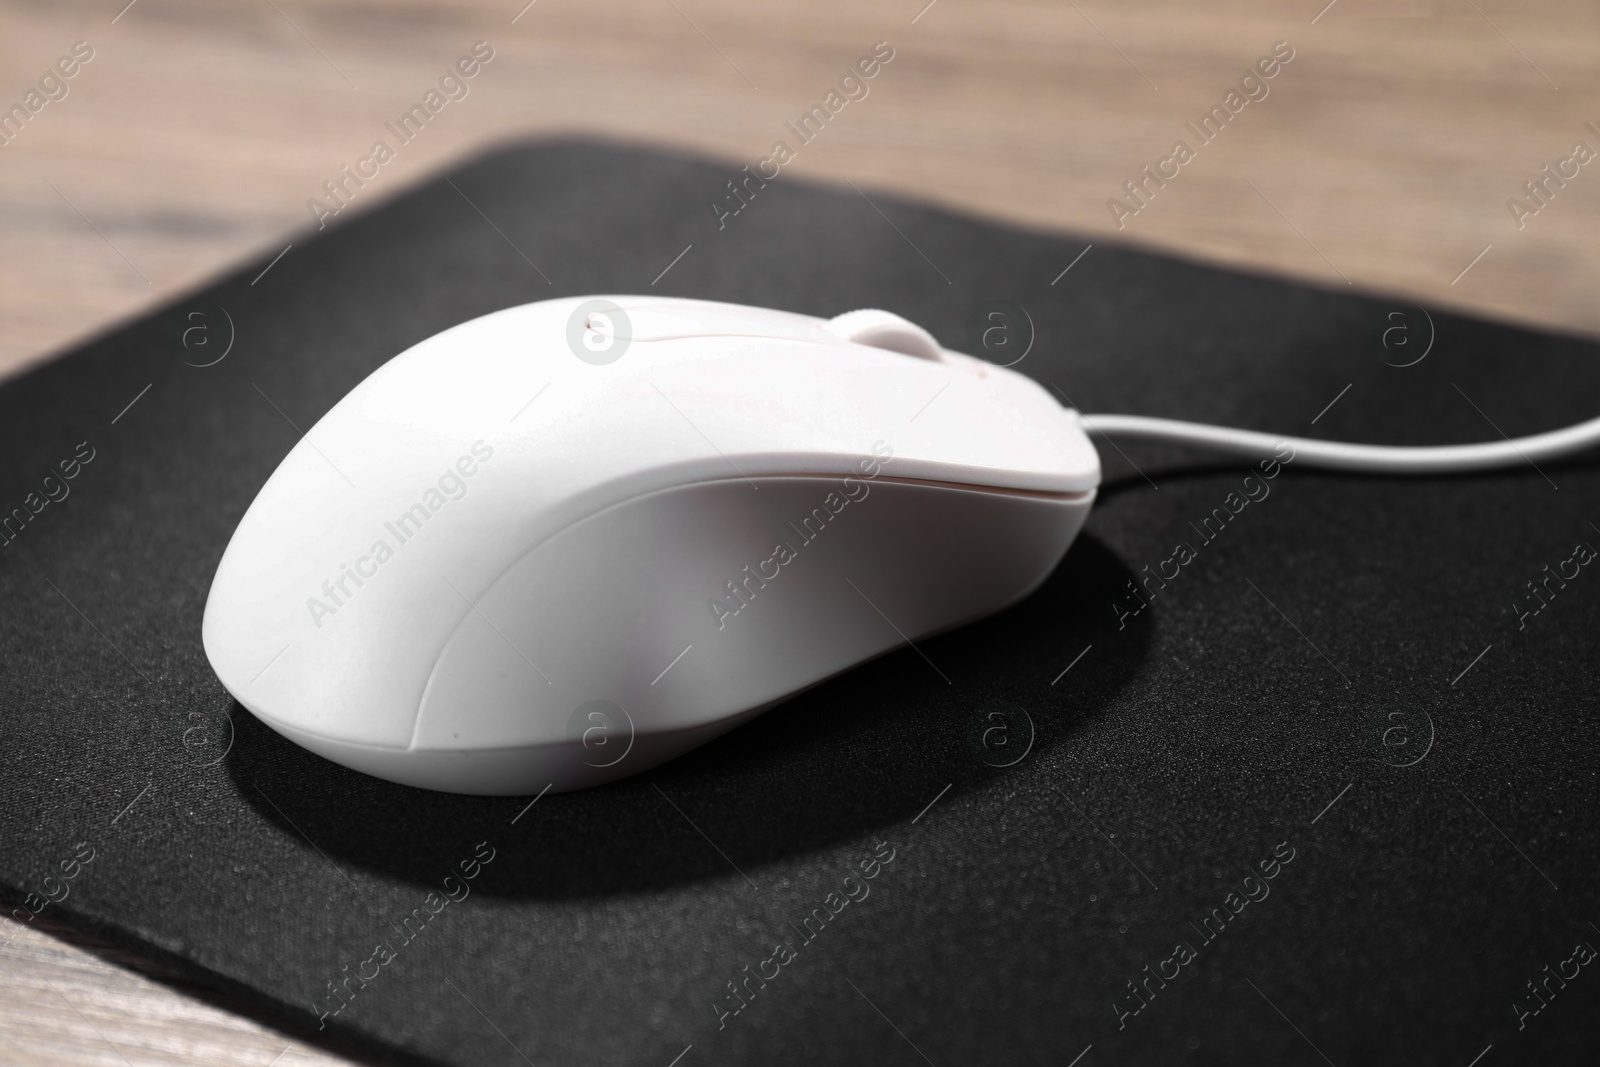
674,320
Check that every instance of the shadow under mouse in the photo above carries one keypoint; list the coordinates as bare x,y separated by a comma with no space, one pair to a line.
863,751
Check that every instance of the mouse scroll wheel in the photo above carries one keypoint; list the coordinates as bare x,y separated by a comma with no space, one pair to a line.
885,329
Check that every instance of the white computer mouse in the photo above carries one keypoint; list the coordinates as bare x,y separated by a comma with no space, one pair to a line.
565,542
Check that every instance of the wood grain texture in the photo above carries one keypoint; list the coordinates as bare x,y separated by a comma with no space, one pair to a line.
69,1000
1383,157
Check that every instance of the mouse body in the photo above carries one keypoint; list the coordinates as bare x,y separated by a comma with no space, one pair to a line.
564,542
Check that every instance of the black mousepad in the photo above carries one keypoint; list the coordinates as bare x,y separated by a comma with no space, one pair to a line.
1278,767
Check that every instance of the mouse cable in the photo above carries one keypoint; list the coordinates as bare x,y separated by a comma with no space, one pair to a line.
1333,455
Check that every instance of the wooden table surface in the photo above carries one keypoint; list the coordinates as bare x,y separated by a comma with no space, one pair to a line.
1385,155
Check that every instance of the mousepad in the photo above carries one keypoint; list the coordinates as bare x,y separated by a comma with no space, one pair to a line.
1279,766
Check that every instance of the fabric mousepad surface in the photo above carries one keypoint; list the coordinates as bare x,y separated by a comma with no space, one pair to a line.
1278,766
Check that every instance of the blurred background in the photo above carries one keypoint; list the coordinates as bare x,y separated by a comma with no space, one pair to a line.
1383,156
1390,154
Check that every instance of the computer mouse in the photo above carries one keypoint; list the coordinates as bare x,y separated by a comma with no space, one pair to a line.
565,542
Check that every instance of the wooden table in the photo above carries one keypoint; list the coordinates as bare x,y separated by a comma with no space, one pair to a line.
1384,155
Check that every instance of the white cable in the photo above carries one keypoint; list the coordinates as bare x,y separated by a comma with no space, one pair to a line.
1383,459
